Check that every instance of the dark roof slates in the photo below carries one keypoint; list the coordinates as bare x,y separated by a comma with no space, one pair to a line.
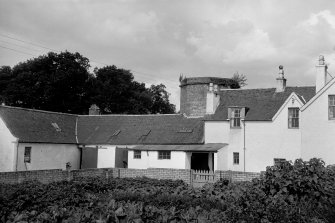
262,104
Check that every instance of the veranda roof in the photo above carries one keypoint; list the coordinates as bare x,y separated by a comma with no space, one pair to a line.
209,147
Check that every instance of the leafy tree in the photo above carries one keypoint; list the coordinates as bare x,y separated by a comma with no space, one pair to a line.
240,79
53,82
5,77
117,92
160,100
62,83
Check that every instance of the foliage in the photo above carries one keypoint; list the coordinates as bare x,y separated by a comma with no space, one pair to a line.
160,100
291,192
62,83
5,78
53,82
116,91
240,79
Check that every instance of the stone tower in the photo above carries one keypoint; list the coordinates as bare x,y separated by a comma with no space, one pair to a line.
195,93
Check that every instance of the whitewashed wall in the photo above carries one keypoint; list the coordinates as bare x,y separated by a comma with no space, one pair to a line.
318,132
7,149
149,159
49,156
106,156
265,140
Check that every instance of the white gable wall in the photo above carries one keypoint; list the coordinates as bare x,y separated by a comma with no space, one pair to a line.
7,149
48,156
318,132
264,141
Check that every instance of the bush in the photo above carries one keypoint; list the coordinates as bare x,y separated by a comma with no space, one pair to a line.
291,192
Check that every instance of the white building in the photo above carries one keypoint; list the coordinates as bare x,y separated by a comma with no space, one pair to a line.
32,140
318,118
220,128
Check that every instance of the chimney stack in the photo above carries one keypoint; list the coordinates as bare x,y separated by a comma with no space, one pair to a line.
213,98
321,74
281,81
94,110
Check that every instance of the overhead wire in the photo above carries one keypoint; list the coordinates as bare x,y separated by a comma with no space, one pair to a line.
19,46
48,48
17,51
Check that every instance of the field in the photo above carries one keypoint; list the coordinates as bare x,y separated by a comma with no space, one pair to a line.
298,192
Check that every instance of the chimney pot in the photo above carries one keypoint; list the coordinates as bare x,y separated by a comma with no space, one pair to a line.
321,60
281,71
211,87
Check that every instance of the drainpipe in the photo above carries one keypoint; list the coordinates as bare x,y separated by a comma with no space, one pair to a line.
17,153
243,145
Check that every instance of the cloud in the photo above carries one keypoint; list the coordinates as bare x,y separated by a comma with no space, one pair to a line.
158,40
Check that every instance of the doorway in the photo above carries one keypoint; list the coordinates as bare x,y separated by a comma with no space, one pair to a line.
199,161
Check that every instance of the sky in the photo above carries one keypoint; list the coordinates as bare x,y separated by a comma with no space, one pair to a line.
159,40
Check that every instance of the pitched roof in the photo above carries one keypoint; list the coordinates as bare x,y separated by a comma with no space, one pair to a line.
208,147
319,93
261,104
140,129
30,125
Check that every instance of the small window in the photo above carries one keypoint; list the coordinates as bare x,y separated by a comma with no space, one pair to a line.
164,155
137,154
331,106
27,154
236,158
278,161
293,118
235,120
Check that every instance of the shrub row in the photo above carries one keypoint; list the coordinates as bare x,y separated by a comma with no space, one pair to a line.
291,192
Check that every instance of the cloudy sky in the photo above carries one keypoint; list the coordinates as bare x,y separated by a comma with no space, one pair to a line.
159,40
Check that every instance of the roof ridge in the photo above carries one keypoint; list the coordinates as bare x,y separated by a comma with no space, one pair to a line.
240,89
108,115
36,110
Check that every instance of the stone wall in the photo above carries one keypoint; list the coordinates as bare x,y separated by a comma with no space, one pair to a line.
48,176
236,176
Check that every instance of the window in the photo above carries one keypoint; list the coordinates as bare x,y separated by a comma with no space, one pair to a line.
164,155
331,105
235,118
293,118
27,154
236,158
278,161
137,154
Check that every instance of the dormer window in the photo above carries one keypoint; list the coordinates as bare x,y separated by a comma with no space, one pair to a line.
235,116
55,125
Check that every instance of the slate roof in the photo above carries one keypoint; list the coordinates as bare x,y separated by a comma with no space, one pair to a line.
261,104
36,126
49,127
140,129
209,147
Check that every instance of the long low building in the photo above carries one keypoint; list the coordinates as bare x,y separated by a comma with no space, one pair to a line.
219,128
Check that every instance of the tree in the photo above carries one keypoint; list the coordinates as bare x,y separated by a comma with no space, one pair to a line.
5,78
53,82
117,92
240,79
160,100
62,83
